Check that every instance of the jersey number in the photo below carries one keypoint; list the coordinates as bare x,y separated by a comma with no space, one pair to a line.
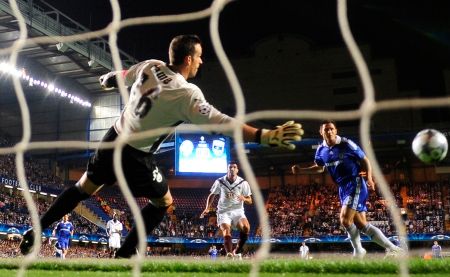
145,103
143,107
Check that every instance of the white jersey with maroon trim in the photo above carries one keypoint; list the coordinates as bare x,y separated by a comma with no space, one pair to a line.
162,98
229,192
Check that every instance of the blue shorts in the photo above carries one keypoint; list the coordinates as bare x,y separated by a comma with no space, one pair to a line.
353,194
63,243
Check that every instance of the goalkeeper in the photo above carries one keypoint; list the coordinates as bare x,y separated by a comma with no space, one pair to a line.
160,96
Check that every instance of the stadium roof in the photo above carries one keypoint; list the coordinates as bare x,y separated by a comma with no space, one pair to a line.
81,61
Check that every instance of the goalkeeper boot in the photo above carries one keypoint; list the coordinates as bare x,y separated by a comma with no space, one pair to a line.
26,245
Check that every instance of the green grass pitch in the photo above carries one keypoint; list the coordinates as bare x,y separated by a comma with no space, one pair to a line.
202,267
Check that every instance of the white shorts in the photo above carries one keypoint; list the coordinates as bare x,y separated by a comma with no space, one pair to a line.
230,218
114,241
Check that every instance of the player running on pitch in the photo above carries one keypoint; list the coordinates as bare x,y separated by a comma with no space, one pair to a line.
233,192
64,231
344,161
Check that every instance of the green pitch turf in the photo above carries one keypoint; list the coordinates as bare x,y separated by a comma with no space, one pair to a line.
203,267
39,273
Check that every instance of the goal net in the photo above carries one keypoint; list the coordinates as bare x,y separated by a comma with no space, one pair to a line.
367,109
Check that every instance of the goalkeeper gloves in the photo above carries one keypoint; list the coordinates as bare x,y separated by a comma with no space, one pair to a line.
282,136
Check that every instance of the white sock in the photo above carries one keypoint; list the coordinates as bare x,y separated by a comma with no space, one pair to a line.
378,237
355,238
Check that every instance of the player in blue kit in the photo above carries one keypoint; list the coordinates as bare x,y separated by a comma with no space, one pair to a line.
213,252
64,231
436,250
345,161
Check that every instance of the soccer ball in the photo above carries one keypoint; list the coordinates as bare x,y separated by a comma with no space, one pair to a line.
430,146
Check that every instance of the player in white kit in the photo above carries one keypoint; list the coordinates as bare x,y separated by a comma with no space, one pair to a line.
304,251
233,192
114,231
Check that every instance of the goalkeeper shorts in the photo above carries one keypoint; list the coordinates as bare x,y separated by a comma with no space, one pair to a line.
141,172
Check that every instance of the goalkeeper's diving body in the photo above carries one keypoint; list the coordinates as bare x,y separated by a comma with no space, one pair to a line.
160,96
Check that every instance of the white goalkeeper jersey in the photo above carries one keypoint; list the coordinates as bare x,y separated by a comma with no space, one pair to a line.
114,228
172,101
229,192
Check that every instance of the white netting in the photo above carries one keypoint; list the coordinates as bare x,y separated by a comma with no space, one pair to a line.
367,109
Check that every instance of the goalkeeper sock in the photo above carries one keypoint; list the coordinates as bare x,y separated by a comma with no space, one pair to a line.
152,218
378,237
242,239
355,238
64,203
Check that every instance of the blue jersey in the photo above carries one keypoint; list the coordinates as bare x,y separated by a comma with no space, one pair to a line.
342,160
436,251
213,253
64,230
